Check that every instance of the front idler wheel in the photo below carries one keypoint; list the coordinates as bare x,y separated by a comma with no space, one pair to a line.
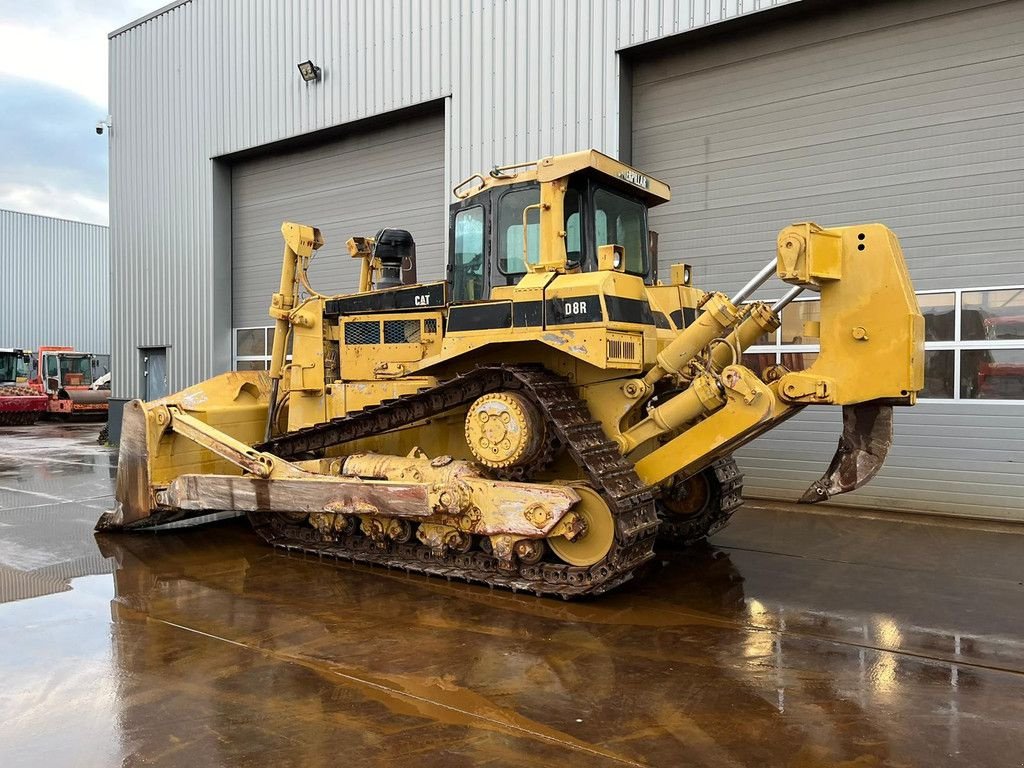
593,543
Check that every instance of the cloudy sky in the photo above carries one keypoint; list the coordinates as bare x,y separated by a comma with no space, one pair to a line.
53,90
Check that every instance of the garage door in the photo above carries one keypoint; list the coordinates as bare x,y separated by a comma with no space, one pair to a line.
390,177
909,113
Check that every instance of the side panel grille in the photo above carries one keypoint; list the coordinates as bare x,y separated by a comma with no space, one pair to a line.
624,348
401,331
362,332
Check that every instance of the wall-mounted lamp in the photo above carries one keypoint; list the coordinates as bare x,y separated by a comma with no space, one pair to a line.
310,72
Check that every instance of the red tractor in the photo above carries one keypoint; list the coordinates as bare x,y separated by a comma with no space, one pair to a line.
20,404
75,383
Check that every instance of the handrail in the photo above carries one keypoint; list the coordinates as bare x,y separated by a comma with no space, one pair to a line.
464,182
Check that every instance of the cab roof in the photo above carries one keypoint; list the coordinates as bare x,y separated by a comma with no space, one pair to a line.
611,171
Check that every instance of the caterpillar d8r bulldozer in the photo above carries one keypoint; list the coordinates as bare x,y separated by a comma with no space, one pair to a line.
541,418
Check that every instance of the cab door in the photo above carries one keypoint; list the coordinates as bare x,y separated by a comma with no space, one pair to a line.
51,374
468,267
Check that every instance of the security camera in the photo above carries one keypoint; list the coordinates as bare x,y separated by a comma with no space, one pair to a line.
100,128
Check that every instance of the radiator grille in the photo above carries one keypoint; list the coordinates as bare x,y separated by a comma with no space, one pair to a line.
401,331
362,332
623,348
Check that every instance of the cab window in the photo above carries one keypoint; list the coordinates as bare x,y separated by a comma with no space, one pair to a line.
618,220
510,230
76,371
8,367
573,240
468,269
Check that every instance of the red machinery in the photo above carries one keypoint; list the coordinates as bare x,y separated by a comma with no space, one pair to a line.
1001,379
19,403
68,380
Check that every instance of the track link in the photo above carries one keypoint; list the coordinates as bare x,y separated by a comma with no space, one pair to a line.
630,501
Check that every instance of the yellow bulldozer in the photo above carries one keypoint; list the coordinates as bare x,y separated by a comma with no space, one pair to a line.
541,418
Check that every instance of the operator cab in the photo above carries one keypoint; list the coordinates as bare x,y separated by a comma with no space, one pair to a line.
496,228
63,368
13,366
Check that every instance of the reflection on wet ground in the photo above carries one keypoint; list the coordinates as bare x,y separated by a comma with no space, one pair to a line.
54,480
799,639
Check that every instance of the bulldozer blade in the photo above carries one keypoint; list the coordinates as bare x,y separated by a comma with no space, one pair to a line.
135,506
863,446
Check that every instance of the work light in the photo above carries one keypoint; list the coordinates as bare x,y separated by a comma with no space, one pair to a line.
310,72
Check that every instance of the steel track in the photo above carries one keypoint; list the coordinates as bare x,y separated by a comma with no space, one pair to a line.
603,467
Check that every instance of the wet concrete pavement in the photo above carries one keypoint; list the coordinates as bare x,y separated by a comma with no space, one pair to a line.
800,638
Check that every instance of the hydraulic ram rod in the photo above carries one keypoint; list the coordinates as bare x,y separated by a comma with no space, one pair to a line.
755,282
791,294
760,320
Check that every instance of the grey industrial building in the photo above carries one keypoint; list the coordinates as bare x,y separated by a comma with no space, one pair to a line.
909,112
56,276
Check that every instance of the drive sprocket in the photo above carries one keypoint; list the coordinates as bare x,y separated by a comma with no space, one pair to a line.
694,508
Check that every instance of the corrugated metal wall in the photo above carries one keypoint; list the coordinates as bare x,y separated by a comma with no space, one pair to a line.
56,278
203,79
908,113
958,459
390,176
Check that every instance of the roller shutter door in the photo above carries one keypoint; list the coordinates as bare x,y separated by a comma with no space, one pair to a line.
388,177
909,113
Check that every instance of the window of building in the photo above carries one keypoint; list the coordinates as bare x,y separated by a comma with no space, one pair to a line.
253,347
992,315
974,343
795,316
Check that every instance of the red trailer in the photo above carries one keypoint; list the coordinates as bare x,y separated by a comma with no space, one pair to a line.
20,404
68,378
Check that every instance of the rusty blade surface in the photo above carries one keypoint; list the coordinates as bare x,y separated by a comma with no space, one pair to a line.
863,446
135,506
132,494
